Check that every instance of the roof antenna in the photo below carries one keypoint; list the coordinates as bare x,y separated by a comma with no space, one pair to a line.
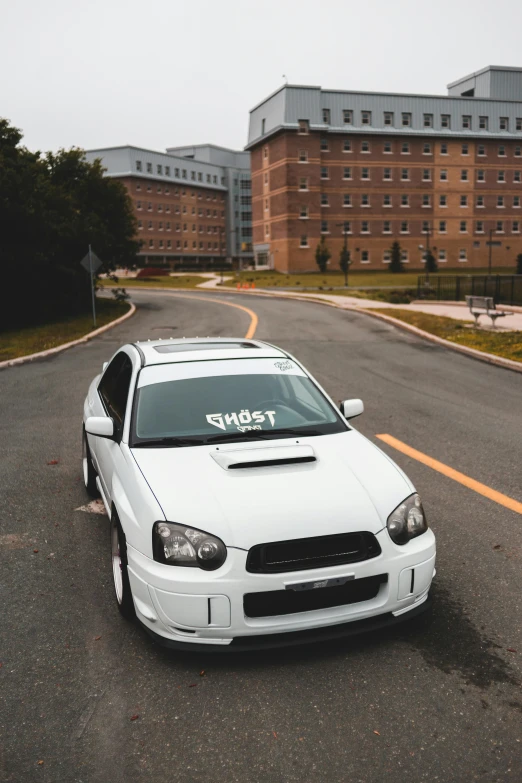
285,77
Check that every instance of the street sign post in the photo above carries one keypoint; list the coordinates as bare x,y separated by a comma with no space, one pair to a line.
91,263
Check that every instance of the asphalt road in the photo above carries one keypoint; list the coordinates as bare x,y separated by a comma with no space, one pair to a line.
438,701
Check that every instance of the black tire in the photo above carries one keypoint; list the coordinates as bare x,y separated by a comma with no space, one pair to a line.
122,588
89,474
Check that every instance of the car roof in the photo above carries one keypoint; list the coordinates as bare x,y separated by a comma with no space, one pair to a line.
200,349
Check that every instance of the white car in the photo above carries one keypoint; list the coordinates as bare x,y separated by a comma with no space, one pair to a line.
245,511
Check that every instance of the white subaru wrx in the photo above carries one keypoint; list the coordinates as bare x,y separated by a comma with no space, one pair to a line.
245,511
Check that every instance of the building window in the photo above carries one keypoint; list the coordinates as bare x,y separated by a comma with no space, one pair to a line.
504,124
515,227
426,175
167,171
428,120
386,200
303,156
365,227
406,119
518,123
463,201
149,206
140,225
303,183
405,200
266,207
501,176
425,226
267,231
347,200
466,121
500,202
462,254
404,227
445,121
365,200
149,168
518,152
263,126
483,123
479,227
443,148
500,227
347,145
138,165
405,148
304,241
303,127
347,227
151,243
502,151
365,146
150,225
405,173
442,255
464,175
365,256
326,116
443,175
386,227
387,147
481,150
480,201
386,257
442,226
426,149
184,173
324,172
481,176
347,172
366,118
138,205
324,144
426,200
404,256
516,176
516,201
347,116
265,152
387,174
465,149
443,201
388,118
463,227
324,200
365,173
138,186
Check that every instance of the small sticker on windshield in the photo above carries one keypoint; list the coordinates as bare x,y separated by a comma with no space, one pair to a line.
283,366
242,421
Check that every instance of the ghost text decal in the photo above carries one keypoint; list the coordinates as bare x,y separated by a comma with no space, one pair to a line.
242,421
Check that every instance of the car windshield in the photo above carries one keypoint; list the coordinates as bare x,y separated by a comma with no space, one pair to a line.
199,410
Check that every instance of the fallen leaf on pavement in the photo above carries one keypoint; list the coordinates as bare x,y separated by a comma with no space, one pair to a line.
35,551
377,732
53,462
497,546
134,717
510,649
275,734
97,638
193,685
40,763
202,673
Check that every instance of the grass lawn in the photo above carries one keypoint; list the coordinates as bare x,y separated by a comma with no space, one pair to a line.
21,342
188,281
270,279
505,344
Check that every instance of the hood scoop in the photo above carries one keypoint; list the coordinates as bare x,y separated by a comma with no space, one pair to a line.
245,459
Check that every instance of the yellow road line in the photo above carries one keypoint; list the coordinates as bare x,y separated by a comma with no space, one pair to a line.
482,489
209,298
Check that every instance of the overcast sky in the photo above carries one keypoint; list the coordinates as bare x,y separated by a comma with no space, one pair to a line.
164,72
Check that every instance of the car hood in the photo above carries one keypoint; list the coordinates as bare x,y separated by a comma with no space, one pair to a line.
351,486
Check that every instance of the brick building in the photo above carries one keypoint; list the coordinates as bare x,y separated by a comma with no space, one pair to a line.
437,172
193,204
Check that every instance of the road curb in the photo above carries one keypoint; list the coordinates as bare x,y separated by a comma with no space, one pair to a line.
64,346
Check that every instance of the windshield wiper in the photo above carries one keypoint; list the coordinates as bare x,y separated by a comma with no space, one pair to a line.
158,443
260,435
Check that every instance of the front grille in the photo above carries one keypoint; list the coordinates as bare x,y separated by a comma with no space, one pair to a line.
304,553
276,602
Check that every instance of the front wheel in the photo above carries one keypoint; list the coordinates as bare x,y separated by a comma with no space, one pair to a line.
89,474
120,575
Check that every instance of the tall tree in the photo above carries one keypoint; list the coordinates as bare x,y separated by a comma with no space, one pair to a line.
431,264
52,207
396,258
344,263
322,255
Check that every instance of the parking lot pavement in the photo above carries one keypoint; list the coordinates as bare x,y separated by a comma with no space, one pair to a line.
88,698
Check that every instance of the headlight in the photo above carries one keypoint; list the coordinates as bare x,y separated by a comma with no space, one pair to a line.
407,521
184,546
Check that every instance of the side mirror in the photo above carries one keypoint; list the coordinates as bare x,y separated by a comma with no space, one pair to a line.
104,366
351,408
102,426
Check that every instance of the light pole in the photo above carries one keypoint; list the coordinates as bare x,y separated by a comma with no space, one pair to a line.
346,255
490,250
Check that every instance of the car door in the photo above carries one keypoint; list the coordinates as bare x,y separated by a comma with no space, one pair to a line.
113,391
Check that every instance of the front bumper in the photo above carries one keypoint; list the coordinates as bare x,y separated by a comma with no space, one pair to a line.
188,607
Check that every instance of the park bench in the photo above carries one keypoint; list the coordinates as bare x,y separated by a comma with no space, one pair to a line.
484,305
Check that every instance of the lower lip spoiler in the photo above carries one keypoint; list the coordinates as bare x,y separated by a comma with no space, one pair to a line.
294,638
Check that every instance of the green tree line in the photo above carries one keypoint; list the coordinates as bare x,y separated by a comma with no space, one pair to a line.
52,206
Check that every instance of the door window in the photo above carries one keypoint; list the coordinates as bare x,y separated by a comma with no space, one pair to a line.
114,388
